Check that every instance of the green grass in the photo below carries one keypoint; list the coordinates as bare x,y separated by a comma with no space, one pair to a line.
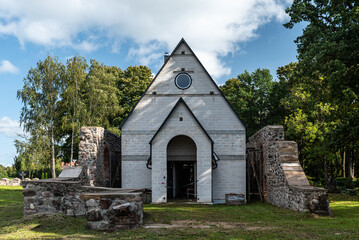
176,221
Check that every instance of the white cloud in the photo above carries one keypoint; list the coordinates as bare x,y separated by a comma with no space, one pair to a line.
212,28
10,127
7,67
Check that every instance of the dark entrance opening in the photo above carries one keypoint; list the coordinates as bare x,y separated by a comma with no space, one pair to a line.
181,169
181,180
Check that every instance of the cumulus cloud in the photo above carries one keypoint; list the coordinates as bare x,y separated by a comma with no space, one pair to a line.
212,28
7,67
9,127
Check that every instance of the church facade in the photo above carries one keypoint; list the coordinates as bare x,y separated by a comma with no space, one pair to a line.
182,139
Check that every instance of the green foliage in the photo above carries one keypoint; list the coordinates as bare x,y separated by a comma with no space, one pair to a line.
253,97
33,153
72,107
326,79
11,172
132,84
345,183
100,95
40,96
3,173
59,99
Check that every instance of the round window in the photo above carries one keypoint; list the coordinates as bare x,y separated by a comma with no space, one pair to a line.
183,81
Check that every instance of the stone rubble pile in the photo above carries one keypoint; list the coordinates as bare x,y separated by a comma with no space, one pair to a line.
8,182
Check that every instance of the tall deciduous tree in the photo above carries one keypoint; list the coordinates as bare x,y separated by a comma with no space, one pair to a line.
100,95
328,52
249,94
72,105
40,96
132,84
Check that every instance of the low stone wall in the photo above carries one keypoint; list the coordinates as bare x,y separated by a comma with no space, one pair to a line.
105,208
8,182
53,196
285,184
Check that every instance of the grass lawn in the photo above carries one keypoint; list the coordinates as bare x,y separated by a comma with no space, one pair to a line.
176,221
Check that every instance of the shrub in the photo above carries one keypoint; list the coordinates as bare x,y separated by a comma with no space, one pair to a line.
345,183
3,173
356,183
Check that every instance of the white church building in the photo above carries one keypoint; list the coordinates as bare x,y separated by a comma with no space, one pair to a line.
182,139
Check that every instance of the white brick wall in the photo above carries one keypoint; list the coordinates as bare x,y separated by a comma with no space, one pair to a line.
212,111
136,144
136,175
229,144
229,177
190,128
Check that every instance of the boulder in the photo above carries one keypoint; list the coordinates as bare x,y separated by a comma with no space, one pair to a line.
94,215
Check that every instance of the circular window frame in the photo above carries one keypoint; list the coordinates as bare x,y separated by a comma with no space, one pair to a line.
190,79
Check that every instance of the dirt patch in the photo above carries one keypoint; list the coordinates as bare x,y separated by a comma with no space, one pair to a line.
206,225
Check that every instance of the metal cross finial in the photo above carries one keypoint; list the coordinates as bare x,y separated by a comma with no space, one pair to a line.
22,174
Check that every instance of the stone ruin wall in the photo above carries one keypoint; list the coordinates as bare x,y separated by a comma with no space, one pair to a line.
93,143
285,182
8,182
104,208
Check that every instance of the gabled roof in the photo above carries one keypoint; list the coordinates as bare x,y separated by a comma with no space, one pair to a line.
205,70
175,106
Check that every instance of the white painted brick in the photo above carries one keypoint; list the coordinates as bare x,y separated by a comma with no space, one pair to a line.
214,114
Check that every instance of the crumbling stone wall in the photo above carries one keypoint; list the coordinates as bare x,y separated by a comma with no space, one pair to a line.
108,211
285,184
104,208
100,156
8,182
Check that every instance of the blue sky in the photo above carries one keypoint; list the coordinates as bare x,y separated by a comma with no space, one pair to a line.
227,36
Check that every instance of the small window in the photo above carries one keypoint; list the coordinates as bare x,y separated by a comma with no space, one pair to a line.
181,119
183,81
182,52
182,69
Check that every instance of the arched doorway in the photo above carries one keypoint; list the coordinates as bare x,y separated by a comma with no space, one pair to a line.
181,169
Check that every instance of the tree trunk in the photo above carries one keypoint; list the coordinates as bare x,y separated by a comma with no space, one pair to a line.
53,154
344,164
349,166
73,126
325,172
72,144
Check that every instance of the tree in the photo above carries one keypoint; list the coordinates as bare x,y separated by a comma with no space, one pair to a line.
132,84
71,103
328,51
40,96
58,100
99,93
33,153
249,94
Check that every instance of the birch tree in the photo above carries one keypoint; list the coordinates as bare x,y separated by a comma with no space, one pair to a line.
40,96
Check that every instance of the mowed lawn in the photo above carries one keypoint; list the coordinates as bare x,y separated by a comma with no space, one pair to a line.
177,221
